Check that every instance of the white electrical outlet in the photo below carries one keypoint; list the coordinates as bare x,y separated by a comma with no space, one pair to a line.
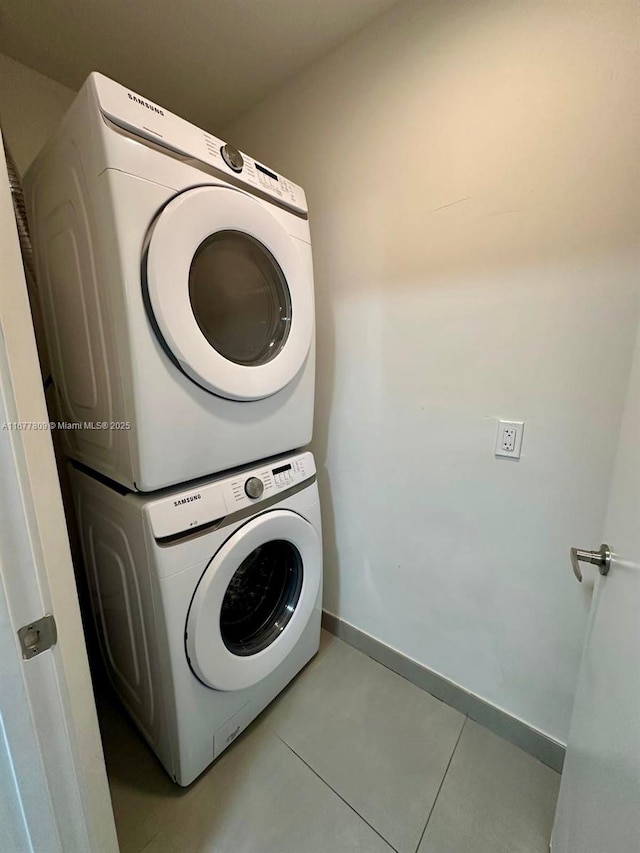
509,440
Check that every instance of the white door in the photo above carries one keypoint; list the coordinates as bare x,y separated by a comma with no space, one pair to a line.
54,793
230,293
254,600
599,804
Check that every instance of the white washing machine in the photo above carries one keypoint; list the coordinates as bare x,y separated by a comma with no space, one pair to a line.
207,601
176,282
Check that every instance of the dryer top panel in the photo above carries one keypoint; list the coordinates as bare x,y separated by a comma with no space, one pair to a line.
142,117
214,499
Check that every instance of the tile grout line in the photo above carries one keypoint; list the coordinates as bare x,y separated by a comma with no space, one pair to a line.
340,797
453,752
539,745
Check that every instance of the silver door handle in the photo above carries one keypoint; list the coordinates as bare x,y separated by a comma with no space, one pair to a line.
601,558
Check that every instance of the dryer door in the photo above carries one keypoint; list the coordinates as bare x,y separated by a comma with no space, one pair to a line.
230,292
254,600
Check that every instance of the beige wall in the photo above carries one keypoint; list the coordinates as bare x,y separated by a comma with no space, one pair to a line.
31,105
472,173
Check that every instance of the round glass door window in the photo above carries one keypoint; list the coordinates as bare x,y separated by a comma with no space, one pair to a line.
239,297
261,597
230,291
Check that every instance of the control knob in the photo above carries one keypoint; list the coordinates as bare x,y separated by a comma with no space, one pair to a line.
232,157
254,487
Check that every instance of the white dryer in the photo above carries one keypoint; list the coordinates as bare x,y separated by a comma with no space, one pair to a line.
177,290
207,601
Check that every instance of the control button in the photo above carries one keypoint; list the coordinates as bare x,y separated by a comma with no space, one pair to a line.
232,157
254,487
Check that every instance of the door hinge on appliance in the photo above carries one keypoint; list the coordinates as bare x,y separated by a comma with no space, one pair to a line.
38,636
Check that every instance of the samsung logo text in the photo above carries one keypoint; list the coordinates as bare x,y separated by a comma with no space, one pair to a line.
146,104
187,500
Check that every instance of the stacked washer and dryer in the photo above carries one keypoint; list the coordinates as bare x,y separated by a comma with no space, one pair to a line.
176,285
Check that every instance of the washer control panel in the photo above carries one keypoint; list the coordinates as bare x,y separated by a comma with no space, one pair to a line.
218,497
253,486
151,121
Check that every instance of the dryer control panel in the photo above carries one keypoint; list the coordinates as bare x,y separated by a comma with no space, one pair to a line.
216,498
148,120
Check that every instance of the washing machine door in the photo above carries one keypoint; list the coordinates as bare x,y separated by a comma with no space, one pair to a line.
254,600
230,292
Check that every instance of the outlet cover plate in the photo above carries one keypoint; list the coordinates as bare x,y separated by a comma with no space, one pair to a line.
509,439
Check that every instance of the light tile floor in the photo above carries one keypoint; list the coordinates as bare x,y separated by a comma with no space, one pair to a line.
351,757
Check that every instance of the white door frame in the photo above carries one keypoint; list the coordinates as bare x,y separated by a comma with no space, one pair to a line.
50,745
